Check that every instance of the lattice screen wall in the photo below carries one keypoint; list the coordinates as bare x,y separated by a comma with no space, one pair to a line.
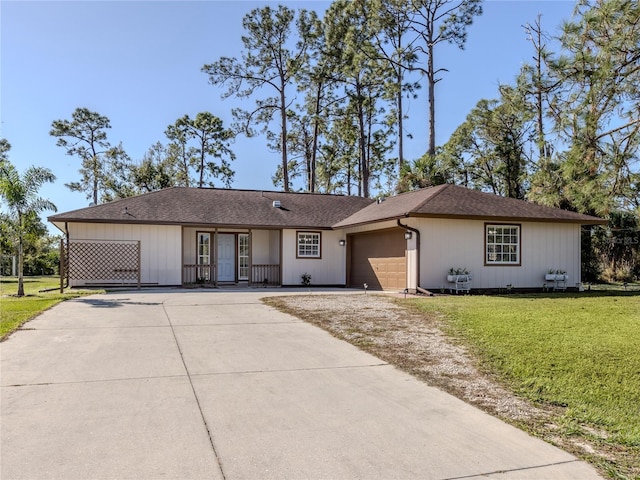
96,261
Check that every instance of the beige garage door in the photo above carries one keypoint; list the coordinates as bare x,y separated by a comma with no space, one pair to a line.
378,259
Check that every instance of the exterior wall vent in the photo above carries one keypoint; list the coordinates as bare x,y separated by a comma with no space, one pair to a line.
277,204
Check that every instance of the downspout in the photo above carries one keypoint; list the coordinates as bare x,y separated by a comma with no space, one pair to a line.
417,232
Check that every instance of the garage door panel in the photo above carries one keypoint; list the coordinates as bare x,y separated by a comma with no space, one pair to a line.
378,259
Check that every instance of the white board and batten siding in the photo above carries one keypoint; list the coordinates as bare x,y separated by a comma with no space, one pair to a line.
330,269
447,243
160,247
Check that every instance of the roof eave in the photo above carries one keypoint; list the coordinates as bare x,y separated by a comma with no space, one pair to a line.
369,222
508,218
55,220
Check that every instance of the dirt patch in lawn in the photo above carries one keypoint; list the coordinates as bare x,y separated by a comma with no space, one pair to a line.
417,344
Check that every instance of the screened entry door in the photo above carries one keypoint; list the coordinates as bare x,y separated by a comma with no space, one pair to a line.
226,257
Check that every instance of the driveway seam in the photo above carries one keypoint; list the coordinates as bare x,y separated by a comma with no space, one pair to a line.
110,327
233,324
287,370
195,395
101,380
231,304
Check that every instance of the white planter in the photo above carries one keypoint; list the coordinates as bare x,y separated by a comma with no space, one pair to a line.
556,277
459,278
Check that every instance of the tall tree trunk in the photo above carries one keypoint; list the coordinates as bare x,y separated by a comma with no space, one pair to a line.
94,167
283,118
363,185
400,127
399,71
307,157
20,258
364,159
95,179
185,166
201,180
431,77
537,43
539,113
316,128
363,174
20,268
541,143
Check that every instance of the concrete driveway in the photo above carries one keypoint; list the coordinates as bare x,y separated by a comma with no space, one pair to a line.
215,385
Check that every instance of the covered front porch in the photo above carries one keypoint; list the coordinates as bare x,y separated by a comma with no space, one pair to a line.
214,256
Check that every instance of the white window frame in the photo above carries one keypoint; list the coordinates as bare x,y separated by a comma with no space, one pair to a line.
502,240
203,255
243,256
309,245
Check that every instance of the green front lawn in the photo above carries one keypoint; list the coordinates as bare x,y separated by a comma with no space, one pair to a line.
15,311
578,352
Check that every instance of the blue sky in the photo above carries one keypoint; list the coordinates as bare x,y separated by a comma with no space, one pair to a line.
138,63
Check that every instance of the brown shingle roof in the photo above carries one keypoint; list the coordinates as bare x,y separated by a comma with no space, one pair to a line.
220,207
251,208
451,201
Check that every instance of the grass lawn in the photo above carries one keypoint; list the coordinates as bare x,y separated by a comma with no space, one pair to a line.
15,311
578,352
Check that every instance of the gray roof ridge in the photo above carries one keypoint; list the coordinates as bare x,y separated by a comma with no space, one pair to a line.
263,190
440,188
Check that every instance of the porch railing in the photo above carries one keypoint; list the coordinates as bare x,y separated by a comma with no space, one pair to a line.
197,274
266,275
262,275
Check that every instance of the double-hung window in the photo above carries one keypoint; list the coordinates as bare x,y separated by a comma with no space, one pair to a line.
502,244
308,245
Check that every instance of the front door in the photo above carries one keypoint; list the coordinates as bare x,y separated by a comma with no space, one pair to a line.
226,257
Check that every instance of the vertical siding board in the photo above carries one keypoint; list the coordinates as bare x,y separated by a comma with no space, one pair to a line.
288,257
